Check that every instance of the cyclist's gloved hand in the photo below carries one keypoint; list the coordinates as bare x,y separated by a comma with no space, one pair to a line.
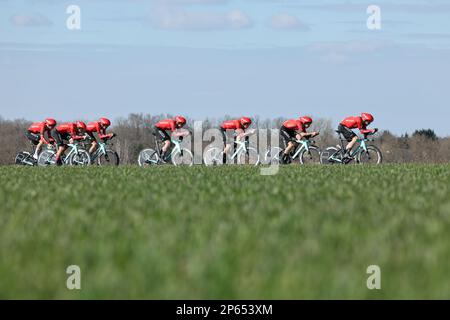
180,138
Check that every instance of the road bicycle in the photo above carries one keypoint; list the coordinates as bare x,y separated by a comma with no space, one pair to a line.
243,154
363,153
178,155
76,156
306,152
104,155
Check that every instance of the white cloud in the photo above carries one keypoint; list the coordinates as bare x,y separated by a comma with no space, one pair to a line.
26,20
177,18
286,21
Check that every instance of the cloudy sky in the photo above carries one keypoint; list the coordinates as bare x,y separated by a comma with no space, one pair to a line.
208,58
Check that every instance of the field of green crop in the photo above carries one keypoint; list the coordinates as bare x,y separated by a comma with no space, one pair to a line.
225,232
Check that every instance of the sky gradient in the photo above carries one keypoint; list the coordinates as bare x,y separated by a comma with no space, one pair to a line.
209,58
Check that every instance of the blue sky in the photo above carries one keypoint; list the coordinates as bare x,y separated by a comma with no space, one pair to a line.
208,58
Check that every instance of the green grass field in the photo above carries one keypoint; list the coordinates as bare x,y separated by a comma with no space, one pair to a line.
225,232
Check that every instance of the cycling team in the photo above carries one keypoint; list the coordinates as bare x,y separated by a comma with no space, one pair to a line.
48,132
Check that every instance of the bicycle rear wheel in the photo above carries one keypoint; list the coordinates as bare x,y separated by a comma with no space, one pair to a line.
183,158
81,158
311,156
371,156
213,157
148,157
251,157
272,156
110,158
47,158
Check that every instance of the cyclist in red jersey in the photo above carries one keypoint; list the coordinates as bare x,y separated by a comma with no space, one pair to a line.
67,133
240,127
97,130
295,129
36,134
349,123
165,128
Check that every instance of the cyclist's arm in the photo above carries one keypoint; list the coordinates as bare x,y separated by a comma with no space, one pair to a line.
42,134
241,133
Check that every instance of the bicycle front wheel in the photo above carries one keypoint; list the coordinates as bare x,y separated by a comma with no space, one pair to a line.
148,157
311,156
109,158
183,158
47,158
81,158
251,157
371,156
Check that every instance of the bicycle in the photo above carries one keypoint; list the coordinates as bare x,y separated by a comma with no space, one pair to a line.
26,158
77,156
306,152
363,153
244,154
105,156
178,155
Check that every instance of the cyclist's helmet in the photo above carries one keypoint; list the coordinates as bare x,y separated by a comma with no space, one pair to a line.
245,121
306,120
50,122
181,121
81,125
105,122
367,117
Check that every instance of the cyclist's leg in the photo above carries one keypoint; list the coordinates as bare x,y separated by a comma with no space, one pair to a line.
226,146
163,136
350,136
94,143
35,139
60,143
288,136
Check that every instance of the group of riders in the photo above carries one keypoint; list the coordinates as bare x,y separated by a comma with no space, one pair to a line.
291,131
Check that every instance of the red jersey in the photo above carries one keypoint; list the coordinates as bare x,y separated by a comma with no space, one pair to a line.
294,124
232,125
168,124
355,123
70,129
40,128
96,127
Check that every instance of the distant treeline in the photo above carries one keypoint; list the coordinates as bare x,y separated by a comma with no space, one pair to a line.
134,133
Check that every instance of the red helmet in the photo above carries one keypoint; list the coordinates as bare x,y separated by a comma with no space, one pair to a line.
245,121
180,120
50,122
367,117
105,122
306,120
81,125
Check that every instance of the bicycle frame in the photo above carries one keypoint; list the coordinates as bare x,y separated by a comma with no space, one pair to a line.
302,144
101,149
361,147
241,147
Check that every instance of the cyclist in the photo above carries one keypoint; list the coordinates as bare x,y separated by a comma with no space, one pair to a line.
97,130
240,127
36,134
295,129
165,128
67,133
349,123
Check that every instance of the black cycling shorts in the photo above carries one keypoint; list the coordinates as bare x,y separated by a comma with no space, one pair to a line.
33,137
346,132
287,135
162,135
224,137
61,139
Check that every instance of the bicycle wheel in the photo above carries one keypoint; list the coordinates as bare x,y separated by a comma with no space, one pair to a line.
47,158
183,158
110,158
148,157
371,156
312,156
251,157
213,156
272,156
330,155
81,158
